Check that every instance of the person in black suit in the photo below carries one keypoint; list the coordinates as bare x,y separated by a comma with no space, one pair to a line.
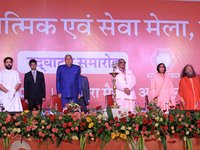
85,94
34,87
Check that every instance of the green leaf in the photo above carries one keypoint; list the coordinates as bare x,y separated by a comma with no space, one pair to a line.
141,143
189,143
163,141
82,142
110,114
58,141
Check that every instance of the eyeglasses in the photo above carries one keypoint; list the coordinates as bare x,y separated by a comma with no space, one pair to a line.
122,62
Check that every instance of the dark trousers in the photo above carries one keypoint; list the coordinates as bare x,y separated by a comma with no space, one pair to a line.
81,102
35,104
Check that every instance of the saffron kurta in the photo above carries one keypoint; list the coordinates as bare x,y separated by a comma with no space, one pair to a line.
189,91
11,100
162,88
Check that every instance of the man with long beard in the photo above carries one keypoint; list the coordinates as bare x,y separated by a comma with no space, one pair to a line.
189,89
9,85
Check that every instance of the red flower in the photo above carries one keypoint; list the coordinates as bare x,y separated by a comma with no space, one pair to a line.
179,127
144,120
82,128
70,124
198,126
65,111
111,121
152,132
125,121
161,127
188,113
149,108
64,125
182,132
149,122
117,124
190,117
84,124
52,118
165,116
116,118
163,132
144,128
172,106
38,106
171,119
171,116
67,130
101,129
176,136
198,121
98,131
153,128
166,127
196,110
2,108
98,107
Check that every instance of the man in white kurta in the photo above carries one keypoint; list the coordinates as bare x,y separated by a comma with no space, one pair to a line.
9,86
125,82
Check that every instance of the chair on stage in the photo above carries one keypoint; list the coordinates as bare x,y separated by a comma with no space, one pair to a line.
24,105
56,100
109,100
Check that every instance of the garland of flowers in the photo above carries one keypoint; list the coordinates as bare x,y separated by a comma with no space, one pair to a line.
72,125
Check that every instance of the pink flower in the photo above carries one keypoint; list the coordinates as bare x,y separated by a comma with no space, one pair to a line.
179,119
55,130
35,113
3,127
42,121
14,117
35,122
190,129
94,114
99,121
17,115
85,115
86,135
28,128
136,129
0,124
76,128
48,127
43,134
106,124
137,125
133,125
177,115
145,132
182,116
109,128
186,125
192,126
60,117
53,135
72,128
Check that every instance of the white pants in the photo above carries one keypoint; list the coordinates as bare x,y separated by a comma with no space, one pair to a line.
126,103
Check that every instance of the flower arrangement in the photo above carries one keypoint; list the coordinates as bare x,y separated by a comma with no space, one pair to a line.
73,125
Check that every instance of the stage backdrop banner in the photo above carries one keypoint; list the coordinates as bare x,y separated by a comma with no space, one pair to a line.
97,33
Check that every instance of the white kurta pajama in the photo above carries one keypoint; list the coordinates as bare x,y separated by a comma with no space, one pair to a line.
11,100
125,80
